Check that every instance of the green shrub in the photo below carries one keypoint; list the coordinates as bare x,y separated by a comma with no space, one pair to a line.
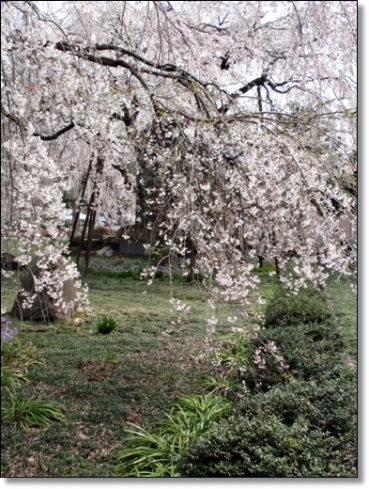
329,406
287,309
106,325
263,446
158,254
298,418
305,351
309,351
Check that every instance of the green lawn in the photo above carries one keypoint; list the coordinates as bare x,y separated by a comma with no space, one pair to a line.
130,375
344,306
105,381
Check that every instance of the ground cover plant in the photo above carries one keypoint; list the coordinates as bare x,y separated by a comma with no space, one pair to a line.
138,372
134,268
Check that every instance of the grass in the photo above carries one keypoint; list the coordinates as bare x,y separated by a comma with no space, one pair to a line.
344,306
155,454
105,382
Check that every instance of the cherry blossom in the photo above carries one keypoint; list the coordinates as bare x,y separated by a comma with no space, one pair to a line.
223,130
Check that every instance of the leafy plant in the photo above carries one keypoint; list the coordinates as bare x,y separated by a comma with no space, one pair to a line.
235,350
156,454
223,384
17,355
30,412
10,378
106,325
201,410
21,356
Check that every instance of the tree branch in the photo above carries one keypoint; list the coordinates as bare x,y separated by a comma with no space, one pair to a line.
57,134
254,83
102,60
298,18
22,124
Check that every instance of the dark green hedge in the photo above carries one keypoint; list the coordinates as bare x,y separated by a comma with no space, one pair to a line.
263,446
287,309
298,421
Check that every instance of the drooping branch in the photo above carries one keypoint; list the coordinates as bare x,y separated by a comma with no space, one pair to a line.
102,60
57,134
217,28
126,117
11,117
132,54
18,121
166,70
274,86
298,18
262,81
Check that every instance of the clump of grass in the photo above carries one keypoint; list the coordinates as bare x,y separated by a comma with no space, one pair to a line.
156,453
9,378
30,412
106,325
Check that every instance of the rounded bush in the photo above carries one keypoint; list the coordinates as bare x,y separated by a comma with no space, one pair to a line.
299,418
287,309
